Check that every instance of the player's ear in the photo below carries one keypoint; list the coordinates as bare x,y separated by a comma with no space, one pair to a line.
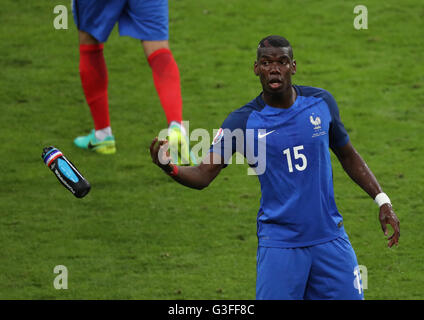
294,67
256,68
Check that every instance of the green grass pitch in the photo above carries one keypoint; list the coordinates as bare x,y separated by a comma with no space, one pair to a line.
138,235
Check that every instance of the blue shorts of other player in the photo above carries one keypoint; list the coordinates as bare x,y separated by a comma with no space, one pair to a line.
140,19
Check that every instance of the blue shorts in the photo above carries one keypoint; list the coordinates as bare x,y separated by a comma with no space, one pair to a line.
327,271
140,19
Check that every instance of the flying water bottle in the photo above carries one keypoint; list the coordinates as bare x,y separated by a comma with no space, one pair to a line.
65,172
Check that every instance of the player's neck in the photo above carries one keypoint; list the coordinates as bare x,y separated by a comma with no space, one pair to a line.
282,100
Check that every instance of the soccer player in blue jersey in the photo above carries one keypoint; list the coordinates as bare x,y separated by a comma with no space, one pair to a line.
303,249
147,21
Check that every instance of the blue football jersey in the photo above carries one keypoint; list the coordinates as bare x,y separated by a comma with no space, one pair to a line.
289,149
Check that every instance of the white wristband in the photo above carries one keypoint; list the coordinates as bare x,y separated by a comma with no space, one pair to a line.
381,199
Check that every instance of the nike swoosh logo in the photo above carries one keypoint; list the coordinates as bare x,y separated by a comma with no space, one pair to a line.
92,146
100,144
260,136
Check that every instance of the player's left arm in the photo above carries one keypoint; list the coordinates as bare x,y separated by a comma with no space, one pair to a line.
359,172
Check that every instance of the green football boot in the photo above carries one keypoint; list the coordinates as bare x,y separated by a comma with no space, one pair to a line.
90,142
179,146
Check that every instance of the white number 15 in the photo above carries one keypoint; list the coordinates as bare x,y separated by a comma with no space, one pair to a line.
297,155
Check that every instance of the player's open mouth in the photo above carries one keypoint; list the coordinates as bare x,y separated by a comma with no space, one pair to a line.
275,83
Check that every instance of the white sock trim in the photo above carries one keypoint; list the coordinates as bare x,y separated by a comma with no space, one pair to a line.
175,123
103,133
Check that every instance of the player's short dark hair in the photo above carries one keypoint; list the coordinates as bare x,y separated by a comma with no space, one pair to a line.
276,42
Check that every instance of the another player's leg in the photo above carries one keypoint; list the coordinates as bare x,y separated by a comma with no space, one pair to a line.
94,80
95,20
334,272
148,21
166,78
282,274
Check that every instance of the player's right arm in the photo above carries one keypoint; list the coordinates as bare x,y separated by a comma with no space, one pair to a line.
200,176
196,177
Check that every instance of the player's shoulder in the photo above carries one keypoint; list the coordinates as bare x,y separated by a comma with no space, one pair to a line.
240,116
256,104
308,91
318,93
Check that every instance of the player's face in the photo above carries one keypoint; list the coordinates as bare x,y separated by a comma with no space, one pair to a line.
275,68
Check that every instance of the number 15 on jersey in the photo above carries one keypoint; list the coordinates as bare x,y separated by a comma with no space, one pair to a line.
299,158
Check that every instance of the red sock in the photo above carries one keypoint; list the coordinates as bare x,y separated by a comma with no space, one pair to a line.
166,77
94,80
